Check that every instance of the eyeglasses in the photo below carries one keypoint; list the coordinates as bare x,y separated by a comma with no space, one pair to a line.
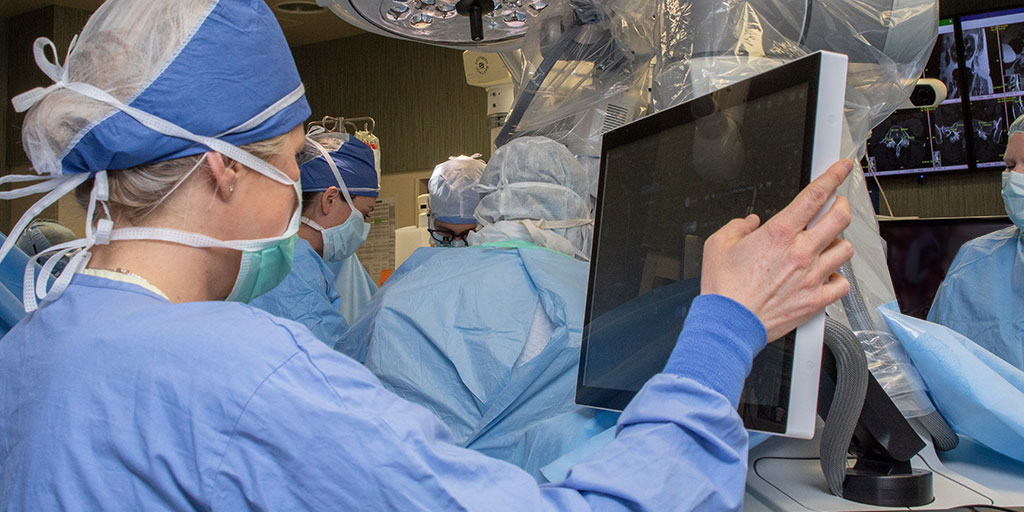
445,237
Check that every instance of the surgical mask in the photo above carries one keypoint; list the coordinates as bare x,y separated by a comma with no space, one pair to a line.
1013,197
262,269
342,241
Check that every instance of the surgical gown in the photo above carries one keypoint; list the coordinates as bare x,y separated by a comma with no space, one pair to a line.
112,398
307,295
354,284
488,339
982,296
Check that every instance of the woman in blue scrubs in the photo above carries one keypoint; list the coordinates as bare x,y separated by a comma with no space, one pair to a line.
132,384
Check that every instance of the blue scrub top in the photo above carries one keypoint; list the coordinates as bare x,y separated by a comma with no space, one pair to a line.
308,296
982,296
355,286
113,398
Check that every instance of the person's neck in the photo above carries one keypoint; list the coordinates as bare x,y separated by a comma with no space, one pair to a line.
165,265
315,239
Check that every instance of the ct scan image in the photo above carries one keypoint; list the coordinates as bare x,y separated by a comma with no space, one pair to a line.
901,142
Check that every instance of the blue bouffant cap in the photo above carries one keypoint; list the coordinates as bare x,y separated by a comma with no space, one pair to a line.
354,160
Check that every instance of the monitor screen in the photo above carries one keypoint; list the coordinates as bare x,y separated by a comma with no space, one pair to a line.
983,72
994,55
668,182
922,140
920,251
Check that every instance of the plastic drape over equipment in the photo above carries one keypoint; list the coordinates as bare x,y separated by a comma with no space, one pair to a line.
585,70
708,44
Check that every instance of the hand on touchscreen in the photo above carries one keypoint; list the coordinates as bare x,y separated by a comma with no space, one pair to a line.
783,271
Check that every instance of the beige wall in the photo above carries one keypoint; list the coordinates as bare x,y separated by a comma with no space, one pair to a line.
418,95
405,187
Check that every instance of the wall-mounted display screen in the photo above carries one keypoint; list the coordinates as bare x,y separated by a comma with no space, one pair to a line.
980,58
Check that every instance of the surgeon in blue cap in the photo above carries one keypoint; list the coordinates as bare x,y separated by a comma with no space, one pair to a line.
356,165
141,379
334,215
982,296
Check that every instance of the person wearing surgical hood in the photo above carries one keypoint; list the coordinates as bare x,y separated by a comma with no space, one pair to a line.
333,227
141,378
982,296
496,355
454,196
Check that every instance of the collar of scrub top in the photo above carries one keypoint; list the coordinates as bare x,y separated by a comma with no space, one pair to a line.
255,95
355,165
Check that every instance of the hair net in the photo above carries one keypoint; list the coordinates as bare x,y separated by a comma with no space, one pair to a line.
188,62
1017,126
453,191
536,192
354,160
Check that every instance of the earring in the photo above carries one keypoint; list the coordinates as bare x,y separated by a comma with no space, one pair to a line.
231,188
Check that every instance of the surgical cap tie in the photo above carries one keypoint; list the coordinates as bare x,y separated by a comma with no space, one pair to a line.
53,70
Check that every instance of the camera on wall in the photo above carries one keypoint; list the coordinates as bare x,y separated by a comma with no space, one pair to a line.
928,93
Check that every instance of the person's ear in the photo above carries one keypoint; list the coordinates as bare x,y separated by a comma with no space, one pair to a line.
225,177
327,200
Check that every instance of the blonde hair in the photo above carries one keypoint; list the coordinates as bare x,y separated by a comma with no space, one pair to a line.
138,192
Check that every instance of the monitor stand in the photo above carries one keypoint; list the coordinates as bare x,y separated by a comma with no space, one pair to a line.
785,474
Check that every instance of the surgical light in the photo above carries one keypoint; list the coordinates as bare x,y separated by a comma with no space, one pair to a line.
438,22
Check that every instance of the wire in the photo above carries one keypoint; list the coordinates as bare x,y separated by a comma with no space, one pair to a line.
881,191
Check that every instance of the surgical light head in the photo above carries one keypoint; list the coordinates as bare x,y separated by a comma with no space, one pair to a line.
498,25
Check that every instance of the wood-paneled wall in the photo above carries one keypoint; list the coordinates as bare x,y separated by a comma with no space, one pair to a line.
958,194
418,95
5,207
60,24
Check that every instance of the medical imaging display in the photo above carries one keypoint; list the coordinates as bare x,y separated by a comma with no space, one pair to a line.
902,141
988,77
997,36
944,63
737,152
949,138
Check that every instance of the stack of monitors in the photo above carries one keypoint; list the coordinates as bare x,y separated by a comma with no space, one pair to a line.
980,58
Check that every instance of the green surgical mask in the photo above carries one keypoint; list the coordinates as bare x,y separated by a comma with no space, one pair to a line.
262,270
264,266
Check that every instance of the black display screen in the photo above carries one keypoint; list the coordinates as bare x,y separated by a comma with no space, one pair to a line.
668,182
920,251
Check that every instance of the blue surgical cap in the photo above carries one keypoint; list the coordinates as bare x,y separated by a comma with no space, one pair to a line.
453,191
220,69
354,160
